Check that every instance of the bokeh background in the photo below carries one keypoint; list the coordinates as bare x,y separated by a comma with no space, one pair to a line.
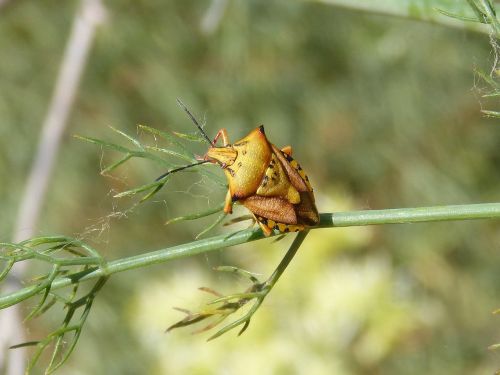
382,112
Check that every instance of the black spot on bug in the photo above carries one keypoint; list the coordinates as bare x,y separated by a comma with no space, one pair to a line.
287,157
287,229
231,172
265,181
261,129
240,164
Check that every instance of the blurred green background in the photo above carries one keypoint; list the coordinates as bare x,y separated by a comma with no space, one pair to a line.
382,112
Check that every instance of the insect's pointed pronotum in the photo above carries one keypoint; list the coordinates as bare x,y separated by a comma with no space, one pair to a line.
191,116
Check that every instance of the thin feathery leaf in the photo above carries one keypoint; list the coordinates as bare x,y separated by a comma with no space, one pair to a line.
151,156
477,11
493,114
24,344
139,189
494,347
495,94
46,307
47,283
196,215
239,271
245,319
153,192
125,150
6,269
486,78
129,137
189,137
169,137
115,165
458,16
109,145
210,291
176,154
211,226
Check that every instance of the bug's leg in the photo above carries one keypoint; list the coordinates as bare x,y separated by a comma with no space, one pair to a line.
225,138
287,150
267,231
254,220
239,220
243,218
228,204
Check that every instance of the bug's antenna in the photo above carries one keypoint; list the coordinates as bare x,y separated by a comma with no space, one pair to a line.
195,121
181,168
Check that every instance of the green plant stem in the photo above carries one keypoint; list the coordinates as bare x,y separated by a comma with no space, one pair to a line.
411,215
328,220
273,279
488,9
421,10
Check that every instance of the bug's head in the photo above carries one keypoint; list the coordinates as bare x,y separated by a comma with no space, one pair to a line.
224,156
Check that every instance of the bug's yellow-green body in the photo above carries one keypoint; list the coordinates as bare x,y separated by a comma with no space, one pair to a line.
266,180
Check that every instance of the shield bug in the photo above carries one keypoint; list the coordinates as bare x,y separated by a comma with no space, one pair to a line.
264,179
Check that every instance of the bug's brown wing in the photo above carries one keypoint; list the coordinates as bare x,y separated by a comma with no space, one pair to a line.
280,210
272,208
306,210
295,173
